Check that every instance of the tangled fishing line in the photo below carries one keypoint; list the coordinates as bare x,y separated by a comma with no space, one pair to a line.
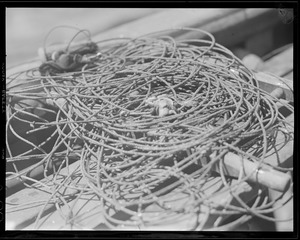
147,121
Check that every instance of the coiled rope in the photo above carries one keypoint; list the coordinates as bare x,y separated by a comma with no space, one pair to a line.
150,118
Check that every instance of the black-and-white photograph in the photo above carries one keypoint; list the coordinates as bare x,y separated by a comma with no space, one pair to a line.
149,119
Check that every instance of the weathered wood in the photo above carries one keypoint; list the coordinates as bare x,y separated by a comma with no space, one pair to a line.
238,26
281,153
261,42
31,203
213,20
171,18
91,217
269,83
165,20
262,174
27,215
280,64
14,184
283,212
289,76
229,26
91,210
24,218
22,43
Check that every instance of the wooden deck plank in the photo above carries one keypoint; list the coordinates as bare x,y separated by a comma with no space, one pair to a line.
238,27
55,221
289,76
90,216
157,20
25,196
26,216
22,216
216,21
87,212
89,208
280,64
281,154
227,25
269,83
22,43
172,18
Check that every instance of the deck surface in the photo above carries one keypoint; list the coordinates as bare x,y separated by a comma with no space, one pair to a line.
276,72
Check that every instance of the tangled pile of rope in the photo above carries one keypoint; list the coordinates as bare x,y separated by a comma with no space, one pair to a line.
149,119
